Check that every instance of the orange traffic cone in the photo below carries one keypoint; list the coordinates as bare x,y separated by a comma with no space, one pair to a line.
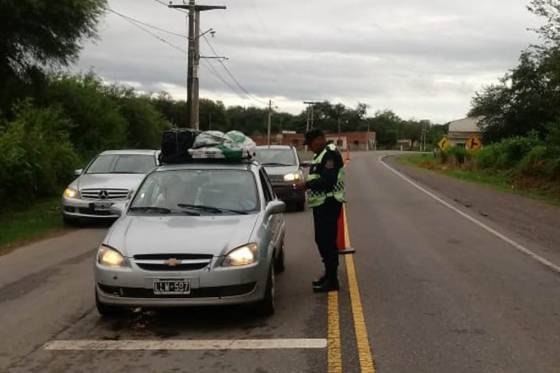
347,156
342,239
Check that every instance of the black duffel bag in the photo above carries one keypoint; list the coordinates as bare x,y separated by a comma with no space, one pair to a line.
175,145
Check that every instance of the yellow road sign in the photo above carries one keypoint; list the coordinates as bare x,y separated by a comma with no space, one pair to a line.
474,143
444,144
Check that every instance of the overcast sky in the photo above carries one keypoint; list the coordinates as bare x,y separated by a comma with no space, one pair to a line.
423,59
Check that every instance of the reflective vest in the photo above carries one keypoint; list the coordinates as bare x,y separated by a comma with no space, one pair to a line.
317,198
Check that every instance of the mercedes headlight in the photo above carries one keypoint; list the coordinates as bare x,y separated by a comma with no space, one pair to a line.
242,256
109,257
295,176
71,193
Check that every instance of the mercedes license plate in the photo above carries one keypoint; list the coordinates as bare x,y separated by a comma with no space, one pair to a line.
172,287
101,206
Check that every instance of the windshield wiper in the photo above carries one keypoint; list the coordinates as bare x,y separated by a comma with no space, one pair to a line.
161,210
211,209
277,164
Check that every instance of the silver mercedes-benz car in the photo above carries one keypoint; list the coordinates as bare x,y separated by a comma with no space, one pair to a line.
194,234
109,179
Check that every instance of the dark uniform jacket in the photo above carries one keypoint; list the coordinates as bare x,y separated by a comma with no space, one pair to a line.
328,171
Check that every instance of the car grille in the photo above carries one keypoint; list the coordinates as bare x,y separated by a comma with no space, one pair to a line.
213,292
179,262
104,194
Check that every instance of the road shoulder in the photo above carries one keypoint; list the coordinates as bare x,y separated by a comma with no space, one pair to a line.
531,219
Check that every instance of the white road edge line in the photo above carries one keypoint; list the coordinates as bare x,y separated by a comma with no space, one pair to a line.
185,345
516,245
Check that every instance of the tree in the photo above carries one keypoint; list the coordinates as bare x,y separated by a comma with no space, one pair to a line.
36,34
527,99
44,32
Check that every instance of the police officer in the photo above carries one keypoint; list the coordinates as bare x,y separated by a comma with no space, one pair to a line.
325,190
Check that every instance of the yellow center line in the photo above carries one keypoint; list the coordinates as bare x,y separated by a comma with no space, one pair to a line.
364,349
333,347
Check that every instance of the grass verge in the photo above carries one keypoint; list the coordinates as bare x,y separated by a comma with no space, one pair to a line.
22,225
499,180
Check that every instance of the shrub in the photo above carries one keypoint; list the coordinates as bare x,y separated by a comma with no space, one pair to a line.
459,154
506,154
37,157
533,164
99,124
486,157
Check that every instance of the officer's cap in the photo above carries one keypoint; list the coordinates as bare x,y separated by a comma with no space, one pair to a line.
312,135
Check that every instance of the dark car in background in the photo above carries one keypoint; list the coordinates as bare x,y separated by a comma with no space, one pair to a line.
284,169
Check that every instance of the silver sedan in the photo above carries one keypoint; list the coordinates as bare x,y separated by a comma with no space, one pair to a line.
109,179
194,234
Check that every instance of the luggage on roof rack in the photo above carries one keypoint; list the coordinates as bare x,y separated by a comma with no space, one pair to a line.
175,145
232,146
186,145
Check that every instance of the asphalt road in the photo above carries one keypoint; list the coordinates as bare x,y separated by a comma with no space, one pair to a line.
433,292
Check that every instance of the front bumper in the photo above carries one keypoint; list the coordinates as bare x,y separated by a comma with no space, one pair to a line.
287,193
132,287
79,208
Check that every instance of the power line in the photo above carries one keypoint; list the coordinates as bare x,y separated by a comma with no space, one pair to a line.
132,19
230,74
153,34
143,26
167,6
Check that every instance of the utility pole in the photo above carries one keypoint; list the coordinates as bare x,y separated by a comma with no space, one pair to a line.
269,124
194,58
311,113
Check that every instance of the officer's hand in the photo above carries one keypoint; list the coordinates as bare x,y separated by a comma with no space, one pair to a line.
300,185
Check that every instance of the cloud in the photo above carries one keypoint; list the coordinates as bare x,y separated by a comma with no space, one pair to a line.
422,59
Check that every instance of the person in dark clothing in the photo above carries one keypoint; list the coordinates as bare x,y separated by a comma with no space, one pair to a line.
325,187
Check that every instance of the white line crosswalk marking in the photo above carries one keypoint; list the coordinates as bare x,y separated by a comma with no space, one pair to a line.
185,345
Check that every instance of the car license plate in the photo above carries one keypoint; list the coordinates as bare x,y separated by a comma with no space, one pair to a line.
172,287
101,206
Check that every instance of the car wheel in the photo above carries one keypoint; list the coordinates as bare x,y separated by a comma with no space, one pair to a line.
107,310
267,306
279,263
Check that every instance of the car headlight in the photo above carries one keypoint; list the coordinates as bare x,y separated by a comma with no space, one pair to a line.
292,177
242,256
71,193
109,257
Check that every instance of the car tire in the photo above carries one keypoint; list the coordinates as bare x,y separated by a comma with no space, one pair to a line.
267,305
279,263
107,310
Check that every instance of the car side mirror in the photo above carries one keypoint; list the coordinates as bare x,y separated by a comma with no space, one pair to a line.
78,172
275,207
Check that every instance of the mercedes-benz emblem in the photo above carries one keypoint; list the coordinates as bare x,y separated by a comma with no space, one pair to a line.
103,194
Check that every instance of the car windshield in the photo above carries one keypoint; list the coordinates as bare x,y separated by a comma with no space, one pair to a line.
197,192
276,157
122,164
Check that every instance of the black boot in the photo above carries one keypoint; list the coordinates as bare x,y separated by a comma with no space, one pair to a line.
330,284
331,281
319,281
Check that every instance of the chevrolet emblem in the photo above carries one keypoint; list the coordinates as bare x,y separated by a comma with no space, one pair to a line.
172,262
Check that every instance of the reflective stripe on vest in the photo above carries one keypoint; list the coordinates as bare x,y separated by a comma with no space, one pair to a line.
317,198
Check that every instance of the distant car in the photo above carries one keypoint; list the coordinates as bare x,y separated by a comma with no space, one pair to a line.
109,179
284,169
194,234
